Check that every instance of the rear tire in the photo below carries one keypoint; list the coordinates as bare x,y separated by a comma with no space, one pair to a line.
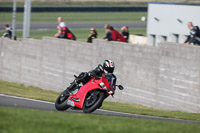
91,104
61,101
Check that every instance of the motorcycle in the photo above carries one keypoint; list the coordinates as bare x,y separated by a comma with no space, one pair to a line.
87,96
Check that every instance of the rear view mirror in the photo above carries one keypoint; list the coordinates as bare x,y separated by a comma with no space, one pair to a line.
120,87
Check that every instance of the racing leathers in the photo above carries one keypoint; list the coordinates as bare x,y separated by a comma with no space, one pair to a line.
84,77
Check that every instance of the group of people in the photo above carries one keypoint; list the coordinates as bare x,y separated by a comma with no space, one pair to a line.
63,31
111,33
114,35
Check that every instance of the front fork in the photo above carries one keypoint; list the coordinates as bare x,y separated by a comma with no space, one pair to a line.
73,85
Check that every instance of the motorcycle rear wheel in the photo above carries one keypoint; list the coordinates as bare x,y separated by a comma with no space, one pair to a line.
93,101
61,101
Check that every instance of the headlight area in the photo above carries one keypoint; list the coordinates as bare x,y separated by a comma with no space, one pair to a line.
103,86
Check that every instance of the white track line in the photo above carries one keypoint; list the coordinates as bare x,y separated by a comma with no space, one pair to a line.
29,99
136,115
22,98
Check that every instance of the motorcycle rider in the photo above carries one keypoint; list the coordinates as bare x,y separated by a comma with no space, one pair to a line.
108,69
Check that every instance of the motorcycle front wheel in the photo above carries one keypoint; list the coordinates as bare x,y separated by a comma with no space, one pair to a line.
93,101
61,101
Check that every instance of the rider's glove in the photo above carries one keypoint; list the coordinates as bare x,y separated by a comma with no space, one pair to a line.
77,81
91,74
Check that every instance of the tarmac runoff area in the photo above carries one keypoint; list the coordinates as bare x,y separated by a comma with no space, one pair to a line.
46,26
14,101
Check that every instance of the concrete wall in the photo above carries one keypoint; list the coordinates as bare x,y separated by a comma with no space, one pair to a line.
164,77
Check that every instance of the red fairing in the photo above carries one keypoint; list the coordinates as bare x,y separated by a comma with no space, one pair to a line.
93,84
105,81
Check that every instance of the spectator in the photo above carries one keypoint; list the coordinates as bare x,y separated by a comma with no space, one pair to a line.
67,34
194,37
63,31
116,36
125,32
61,23
108,33
93,35
59,31
9,32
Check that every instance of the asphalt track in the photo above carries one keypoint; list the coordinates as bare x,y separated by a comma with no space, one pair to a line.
42,26
13,101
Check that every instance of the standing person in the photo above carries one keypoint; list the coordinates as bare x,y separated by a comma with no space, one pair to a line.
59,31
116,36
60,25
63,31
194,37
125,32
92,36
9,32
108,36
66,33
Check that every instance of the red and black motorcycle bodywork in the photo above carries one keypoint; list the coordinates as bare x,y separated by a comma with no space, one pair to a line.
87,97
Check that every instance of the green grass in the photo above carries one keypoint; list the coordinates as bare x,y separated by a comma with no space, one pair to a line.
18,120
138,109
75,17
37,93
81,34
27,91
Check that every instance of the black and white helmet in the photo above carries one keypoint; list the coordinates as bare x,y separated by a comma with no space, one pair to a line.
108,66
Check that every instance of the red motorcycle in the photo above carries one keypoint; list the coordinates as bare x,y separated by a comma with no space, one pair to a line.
87,96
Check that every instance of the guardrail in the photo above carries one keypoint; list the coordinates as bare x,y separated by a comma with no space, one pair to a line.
80,9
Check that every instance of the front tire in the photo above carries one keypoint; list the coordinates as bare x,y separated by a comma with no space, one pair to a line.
93,101
61,101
